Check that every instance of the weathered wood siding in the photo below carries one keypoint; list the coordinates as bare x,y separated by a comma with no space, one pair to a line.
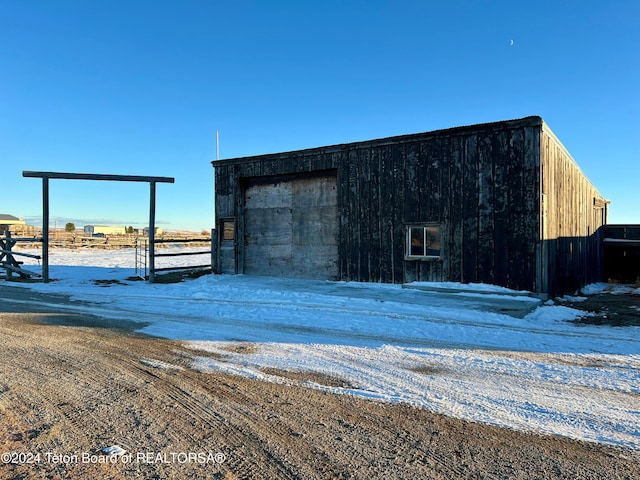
480,183
572,213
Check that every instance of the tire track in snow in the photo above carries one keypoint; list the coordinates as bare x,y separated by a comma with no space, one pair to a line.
466,385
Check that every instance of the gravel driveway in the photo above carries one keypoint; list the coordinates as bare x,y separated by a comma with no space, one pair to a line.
68,391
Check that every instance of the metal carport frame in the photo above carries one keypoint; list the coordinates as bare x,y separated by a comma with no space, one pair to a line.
45,176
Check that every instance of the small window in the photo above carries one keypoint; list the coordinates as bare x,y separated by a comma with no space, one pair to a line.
423,241
228,229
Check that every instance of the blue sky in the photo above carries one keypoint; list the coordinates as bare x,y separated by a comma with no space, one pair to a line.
140,88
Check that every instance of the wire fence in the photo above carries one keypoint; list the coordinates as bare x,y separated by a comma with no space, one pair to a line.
194,258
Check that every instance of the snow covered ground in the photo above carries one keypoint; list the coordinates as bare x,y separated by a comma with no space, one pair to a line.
475,352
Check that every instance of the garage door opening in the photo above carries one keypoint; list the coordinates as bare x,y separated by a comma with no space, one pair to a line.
291,226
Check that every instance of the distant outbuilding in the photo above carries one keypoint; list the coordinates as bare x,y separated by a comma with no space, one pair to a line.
10,223
105,229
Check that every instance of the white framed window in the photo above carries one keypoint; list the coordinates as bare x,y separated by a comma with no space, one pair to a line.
423,241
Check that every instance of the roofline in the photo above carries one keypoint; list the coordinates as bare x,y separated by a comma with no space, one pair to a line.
546,129
531,121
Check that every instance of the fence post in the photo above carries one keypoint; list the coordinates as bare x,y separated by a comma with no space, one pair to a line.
45,229
152,231
9,257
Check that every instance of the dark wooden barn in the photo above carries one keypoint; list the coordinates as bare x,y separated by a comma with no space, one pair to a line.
500,203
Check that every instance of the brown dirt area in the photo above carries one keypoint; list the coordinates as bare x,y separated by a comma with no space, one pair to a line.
621,310
69,390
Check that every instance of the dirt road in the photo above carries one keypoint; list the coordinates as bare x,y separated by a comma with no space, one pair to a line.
67,391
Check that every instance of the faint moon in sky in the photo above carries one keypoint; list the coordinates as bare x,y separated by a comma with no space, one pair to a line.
511,44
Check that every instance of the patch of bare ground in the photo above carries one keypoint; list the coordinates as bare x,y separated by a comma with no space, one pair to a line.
573,360
429,370
68,391
309,376
240,347
621,310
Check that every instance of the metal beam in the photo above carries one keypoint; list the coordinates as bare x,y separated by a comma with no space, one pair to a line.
97,176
